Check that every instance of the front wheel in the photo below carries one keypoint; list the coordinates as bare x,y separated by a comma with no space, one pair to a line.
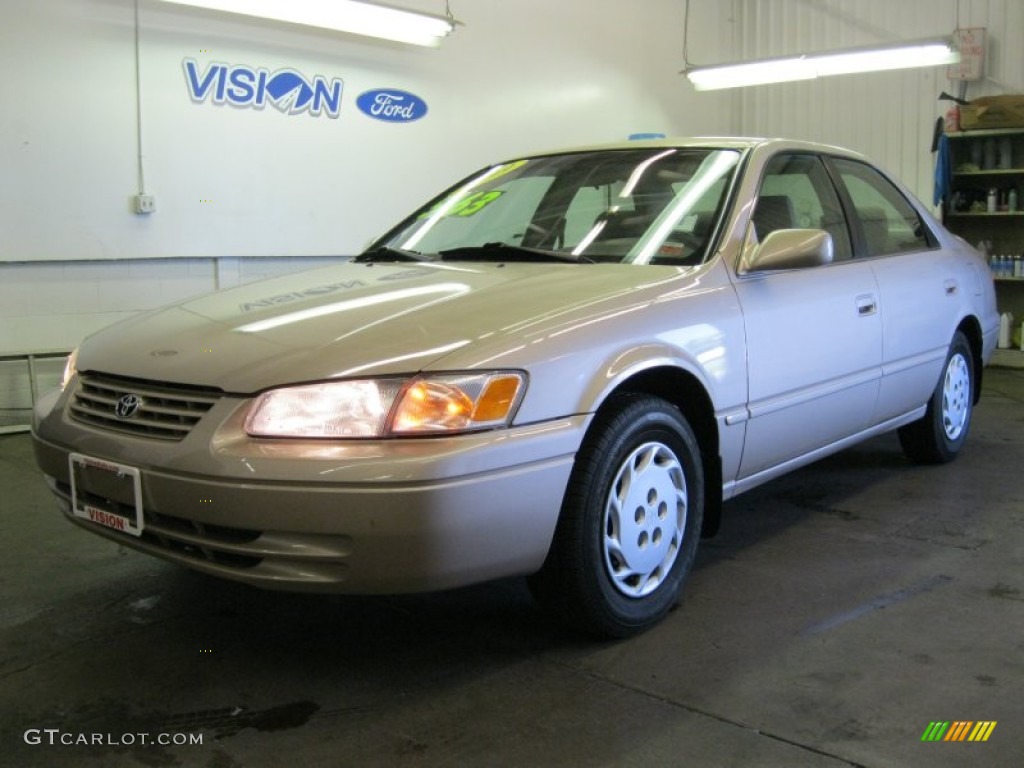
630,520
940,434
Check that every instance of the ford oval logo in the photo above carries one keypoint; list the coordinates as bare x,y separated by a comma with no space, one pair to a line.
392,105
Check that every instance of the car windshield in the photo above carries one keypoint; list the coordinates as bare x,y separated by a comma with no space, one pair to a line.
630,206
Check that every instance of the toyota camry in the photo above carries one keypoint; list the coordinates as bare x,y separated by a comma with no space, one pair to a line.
558,368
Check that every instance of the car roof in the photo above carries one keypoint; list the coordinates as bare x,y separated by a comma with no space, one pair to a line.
717,142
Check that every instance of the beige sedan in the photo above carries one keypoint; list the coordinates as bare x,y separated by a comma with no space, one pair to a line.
558,368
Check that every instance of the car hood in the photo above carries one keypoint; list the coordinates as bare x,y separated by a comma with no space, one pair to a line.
356,319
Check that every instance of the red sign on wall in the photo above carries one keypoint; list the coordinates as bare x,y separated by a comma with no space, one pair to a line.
971,43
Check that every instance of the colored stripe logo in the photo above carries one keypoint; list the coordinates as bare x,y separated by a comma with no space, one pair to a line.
959,730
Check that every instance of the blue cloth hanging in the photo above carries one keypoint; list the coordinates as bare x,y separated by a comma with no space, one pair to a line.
943,171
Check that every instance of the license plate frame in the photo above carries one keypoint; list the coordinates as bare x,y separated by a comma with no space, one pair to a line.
125,480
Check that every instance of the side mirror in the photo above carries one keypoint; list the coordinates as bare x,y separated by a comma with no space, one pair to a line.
789,249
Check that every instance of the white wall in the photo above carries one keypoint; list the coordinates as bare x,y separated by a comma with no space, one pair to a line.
242,192
888,116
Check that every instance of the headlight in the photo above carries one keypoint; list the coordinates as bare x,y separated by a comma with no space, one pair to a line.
388,407
70,368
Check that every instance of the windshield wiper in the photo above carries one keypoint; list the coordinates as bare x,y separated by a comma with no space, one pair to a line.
384,254
506,252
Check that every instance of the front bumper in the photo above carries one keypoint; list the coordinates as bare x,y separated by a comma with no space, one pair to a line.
364,517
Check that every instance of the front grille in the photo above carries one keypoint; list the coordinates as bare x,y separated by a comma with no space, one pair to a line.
165,411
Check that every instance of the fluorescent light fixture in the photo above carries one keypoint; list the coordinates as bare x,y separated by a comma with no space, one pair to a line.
350,16
920,53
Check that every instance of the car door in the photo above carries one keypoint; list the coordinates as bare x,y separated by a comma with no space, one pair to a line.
919,286
814,335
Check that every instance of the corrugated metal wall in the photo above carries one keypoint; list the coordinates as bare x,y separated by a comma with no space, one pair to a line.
888,116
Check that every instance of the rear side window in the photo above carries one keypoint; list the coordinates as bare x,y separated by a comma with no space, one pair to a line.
888,222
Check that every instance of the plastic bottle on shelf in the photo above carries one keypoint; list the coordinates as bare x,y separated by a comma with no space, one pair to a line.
1011,200
989,151
1005,322
976,153
1018,266
1005,153
993,200
953,119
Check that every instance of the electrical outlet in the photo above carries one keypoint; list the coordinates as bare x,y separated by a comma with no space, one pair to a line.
145,203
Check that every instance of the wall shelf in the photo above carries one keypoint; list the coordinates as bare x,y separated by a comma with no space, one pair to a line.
1002,230
981,133
990,172
1008,358
959,214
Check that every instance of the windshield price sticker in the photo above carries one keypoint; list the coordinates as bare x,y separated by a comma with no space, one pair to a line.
95,482
475,203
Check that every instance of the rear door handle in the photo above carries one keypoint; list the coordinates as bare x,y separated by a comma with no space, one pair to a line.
866,305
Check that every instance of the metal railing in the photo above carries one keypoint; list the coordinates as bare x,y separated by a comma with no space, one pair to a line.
30,359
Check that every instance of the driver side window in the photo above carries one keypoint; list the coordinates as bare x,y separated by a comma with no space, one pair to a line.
797,193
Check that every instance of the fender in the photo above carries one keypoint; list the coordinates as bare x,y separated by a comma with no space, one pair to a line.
632,361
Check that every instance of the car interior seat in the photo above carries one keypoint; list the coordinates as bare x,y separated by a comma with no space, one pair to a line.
773,212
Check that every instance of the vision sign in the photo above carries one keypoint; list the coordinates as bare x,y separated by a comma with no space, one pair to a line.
240,85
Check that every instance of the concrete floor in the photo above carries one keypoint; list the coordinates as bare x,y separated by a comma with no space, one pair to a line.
840,611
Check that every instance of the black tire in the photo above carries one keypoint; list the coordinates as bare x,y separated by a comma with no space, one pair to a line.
622,550
940,434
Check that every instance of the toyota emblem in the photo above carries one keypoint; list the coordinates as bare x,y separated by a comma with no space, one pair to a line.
126,406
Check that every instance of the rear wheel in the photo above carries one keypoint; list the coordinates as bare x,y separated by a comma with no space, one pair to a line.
940,434
630,521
